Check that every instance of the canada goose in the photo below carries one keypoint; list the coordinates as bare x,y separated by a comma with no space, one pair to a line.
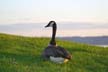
53,52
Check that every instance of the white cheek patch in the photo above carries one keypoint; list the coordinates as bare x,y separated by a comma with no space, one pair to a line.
51,24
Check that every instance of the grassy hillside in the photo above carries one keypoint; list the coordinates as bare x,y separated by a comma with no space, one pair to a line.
23,54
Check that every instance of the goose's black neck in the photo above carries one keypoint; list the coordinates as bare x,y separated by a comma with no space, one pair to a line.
54,28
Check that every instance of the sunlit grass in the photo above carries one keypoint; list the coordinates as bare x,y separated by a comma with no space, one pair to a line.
23,54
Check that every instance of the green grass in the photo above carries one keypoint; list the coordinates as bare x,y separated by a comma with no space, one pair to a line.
23,54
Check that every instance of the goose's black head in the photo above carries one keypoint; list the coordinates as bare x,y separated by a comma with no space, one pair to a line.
51,24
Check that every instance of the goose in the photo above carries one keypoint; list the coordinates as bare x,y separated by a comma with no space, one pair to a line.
53,52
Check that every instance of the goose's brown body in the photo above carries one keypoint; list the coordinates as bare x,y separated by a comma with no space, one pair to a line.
55,51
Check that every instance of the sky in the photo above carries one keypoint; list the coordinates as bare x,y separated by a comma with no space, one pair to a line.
34,11
64,29
75,17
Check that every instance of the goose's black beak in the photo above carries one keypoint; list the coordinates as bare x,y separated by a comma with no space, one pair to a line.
46,26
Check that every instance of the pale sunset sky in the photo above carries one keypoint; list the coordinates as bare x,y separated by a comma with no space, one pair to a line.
93,13
13,11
